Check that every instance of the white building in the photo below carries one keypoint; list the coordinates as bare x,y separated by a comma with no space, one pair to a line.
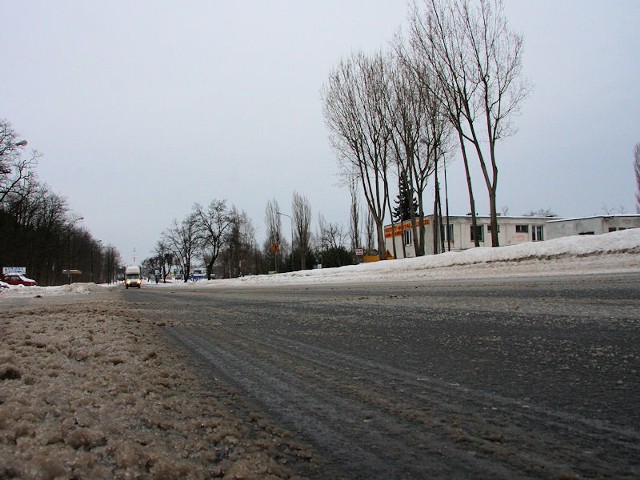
595,225
457,234
512,230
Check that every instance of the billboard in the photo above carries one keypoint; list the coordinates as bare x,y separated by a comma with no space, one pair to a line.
14,270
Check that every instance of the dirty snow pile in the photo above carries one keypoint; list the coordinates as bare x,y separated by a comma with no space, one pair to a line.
73,289
89,389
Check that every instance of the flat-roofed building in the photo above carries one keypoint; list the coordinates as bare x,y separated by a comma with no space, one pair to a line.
596,225
456,233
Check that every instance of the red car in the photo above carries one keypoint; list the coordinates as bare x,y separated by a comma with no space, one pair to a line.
16,279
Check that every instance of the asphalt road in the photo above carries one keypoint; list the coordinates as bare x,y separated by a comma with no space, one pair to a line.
488,378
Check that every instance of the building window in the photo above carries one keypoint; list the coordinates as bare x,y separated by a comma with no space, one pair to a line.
522,228
489,228
407,236
480,233
443,233
538,233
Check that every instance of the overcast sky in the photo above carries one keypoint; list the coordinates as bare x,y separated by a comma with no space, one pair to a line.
141,108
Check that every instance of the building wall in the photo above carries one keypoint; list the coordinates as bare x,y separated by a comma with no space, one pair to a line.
591,225
512,231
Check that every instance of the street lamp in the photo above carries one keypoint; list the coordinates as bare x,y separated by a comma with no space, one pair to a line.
446,204
9,147
71,224
291,225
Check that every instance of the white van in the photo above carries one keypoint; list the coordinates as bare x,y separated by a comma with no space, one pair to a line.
132,276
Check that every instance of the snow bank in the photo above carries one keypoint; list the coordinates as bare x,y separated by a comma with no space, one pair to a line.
91,390
614,251
74,288
611,252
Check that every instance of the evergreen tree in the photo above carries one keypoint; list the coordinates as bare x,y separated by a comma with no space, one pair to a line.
402,211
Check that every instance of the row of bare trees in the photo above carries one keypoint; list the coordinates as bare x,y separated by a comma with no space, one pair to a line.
223,239
636,171
396,116
202,233
37,229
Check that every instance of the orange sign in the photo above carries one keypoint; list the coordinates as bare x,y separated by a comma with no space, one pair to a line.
398,229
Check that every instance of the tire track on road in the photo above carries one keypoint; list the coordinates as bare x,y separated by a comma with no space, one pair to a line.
377,421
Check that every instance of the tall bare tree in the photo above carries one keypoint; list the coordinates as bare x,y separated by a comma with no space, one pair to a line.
422,130
331,244
36,229
16,169
274,240
354,110
183,239
354,217
239,255
636,168
477,61
112,260
212,222
369,233
301,219
163,259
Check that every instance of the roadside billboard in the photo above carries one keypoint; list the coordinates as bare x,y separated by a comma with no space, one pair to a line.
14,270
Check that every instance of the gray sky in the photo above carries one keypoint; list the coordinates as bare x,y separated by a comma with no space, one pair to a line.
143,108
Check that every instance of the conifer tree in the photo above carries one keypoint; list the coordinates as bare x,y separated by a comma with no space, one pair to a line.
403,209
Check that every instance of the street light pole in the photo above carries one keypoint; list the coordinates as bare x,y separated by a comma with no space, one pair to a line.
446,205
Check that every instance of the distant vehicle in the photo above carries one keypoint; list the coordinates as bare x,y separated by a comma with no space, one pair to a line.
132,276
17,279
3,286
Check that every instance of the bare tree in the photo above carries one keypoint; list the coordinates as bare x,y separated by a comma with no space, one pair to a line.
432,57
354,110
301,220
354,224
33,231
477,61
636,168
16,170
36,230
369,233
212,222
274,240
111,262
239,256
183,239
331,234
331,249
406,115
422,130
164,257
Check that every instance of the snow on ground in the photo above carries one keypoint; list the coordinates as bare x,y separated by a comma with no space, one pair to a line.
616,251
90,389
611,252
